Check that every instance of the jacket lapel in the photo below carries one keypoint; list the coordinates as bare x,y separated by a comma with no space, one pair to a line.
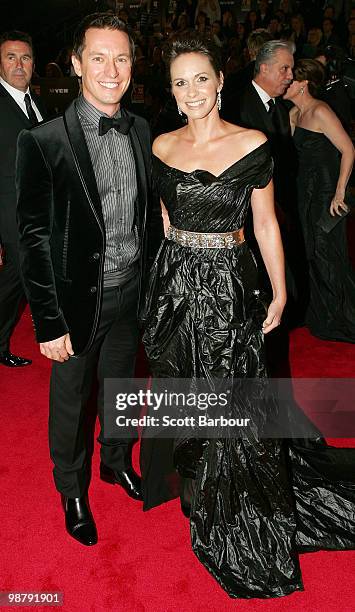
141,169
38,102
283,117
264,116
82,159
15,107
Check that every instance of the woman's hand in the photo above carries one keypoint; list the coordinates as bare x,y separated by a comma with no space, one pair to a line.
273,318
338,205
166,220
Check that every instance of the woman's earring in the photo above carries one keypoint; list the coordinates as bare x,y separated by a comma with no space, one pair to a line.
302,91
179,111
219,100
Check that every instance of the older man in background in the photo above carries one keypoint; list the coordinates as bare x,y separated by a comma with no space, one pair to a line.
20,109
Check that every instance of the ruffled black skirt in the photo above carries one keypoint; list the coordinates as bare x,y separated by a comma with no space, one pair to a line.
255,503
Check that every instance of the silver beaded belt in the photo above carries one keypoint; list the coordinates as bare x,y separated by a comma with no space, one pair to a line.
197,240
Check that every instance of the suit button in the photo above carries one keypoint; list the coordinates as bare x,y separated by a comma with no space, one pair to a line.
95,256
93,289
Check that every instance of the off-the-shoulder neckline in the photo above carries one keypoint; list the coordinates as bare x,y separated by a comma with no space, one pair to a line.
211,173
299,127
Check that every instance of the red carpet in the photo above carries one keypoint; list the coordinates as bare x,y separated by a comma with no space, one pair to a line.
143,562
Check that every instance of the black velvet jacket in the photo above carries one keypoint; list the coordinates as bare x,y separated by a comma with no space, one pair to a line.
61,226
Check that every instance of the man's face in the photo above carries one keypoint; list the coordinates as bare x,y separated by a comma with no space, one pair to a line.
277,75
273,26
327,26
16,64
105,68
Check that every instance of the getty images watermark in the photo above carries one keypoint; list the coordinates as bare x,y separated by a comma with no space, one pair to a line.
263,408
175,409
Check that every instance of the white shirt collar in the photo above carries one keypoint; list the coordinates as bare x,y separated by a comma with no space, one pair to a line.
18,95
263,95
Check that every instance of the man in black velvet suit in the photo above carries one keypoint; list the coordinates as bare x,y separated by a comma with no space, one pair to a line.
20,108
83,196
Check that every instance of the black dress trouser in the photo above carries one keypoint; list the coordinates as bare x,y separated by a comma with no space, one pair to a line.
11,293
112,355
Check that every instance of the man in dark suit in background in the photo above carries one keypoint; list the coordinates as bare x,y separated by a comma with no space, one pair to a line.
235,83
261,107
83,195
19,109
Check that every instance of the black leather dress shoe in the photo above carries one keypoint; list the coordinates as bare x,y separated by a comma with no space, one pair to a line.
79,521
127,479
13,361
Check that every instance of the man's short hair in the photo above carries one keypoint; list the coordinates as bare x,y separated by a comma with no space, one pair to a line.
268,51
101,21
12,35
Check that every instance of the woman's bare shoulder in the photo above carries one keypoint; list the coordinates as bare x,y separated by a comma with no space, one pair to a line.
322,110
164,143
246,139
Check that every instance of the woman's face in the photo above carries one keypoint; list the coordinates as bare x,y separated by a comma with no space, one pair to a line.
294,90
314,36
195,84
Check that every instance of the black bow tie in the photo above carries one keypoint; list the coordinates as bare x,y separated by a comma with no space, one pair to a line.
121,124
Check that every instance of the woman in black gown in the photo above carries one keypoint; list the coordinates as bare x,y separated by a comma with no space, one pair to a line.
325,161
255,502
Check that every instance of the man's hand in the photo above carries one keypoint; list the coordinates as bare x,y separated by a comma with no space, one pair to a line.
59,349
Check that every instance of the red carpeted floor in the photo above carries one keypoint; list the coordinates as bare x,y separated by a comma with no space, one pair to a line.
143,562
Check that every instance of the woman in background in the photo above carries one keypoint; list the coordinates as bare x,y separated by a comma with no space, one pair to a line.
325,161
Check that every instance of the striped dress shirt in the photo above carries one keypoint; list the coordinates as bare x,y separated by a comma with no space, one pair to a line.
115,172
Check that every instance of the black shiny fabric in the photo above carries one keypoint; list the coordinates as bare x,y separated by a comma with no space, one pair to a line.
331,310
254,502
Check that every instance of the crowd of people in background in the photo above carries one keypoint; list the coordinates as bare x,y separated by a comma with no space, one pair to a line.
318,29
